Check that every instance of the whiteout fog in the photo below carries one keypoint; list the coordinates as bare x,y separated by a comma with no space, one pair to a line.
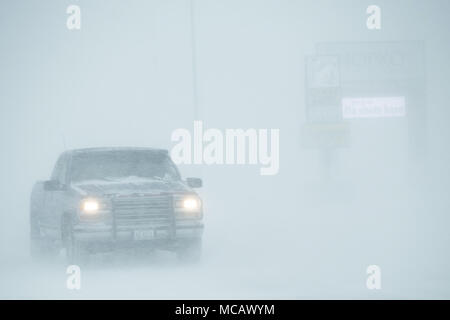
213,147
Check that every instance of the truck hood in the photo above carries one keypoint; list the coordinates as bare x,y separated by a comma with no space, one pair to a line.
129,186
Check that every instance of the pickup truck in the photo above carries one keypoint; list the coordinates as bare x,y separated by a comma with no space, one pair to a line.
106,199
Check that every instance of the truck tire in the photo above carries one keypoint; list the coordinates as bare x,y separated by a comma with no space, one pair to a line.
191,251
76,252
37,251
40,247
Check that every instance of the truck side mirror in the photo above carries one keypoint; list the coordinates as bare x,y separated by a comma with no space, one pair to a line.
53,185
194,182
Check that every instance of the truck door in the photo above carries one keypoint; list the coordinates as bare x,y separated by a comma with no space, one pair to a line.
54,200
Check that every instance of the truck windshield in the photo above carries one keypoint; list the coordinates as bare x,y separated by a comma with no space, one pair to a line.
122,164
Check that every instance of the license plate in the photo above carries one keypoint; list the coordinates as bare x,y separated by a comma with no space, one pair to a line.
144,234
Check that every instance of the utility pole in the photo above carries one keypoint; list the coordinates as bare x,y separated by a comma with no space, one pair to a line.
194,62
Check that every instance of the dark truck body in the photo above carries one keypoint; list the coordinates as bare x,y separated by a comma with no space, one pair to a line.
108,198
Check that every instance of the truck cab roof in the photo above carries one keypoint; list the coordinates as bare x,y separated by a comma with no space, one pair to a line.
114,149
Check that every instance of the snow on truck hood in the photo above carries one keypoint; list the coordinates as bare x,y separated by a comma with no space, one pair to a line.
128,186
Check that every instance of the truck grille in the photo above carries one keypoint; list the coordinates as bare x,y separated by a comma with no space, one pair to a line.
143,211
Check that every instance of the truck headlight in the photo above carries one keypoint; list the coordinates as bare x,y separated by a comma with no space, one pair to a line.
90,206
188,204
191,204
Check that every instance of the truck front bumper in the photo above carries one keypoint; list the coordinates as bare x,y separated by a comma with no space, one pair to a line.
178,233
